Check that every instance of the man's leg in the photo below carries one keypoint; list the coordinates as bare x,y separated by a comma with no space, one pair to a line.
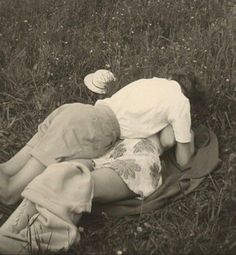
17,162
70,188
11,187
53,203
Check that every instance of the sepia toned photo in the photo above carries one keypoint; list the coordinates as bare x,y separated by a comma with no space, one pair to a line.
117,127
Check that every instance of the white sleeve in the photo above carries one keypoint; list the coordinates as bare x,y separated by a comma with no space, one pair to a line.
180,119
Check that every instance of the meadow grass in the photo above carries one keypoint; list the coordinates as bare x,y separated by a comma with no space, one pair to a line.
47,47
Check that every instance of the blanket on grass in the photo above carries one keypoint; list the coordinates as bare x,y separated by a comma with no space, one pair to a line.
177,181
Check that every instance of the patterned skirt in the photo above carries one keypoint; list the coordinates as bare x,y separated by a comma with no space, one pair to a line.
137,162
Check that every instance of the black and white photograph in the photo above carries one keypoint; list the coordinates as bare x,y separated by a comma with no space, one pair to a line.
117,127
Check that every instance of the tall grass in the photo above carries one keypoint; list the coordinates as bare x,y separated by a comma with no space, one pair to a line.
47,47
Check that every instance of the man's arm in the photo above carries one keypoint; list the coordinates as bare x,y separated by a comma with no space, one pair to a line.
184,151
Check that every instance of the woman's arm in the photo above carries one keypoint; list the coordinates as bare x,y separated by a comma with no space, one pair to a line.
184,151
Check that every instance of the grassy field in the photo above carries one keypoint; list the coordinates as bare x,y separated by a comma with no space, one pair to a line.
47,47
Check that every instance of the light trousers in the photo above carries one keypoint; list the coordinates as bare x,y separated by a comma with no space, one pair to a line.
51,208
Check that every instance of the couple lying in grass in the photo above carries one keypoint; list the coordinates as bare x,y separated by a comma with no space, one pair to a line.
103,153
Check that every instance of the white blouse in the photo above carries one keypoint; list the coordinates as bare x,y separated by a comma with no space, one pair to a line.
146,106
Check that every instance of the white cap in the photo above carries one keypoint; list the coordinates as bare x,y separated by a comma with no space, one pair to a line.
99,80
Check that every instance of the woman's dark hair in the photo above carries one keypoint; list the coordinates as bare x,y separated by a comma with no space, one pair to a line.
190,83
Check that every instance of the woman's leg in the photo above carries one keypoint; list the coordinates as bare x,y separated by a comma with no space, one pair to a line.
53,221
11,187
17,162
109,187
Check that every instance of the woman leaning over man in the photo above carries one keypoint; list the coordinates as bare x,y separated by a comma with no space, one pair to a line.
140,109
77,133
